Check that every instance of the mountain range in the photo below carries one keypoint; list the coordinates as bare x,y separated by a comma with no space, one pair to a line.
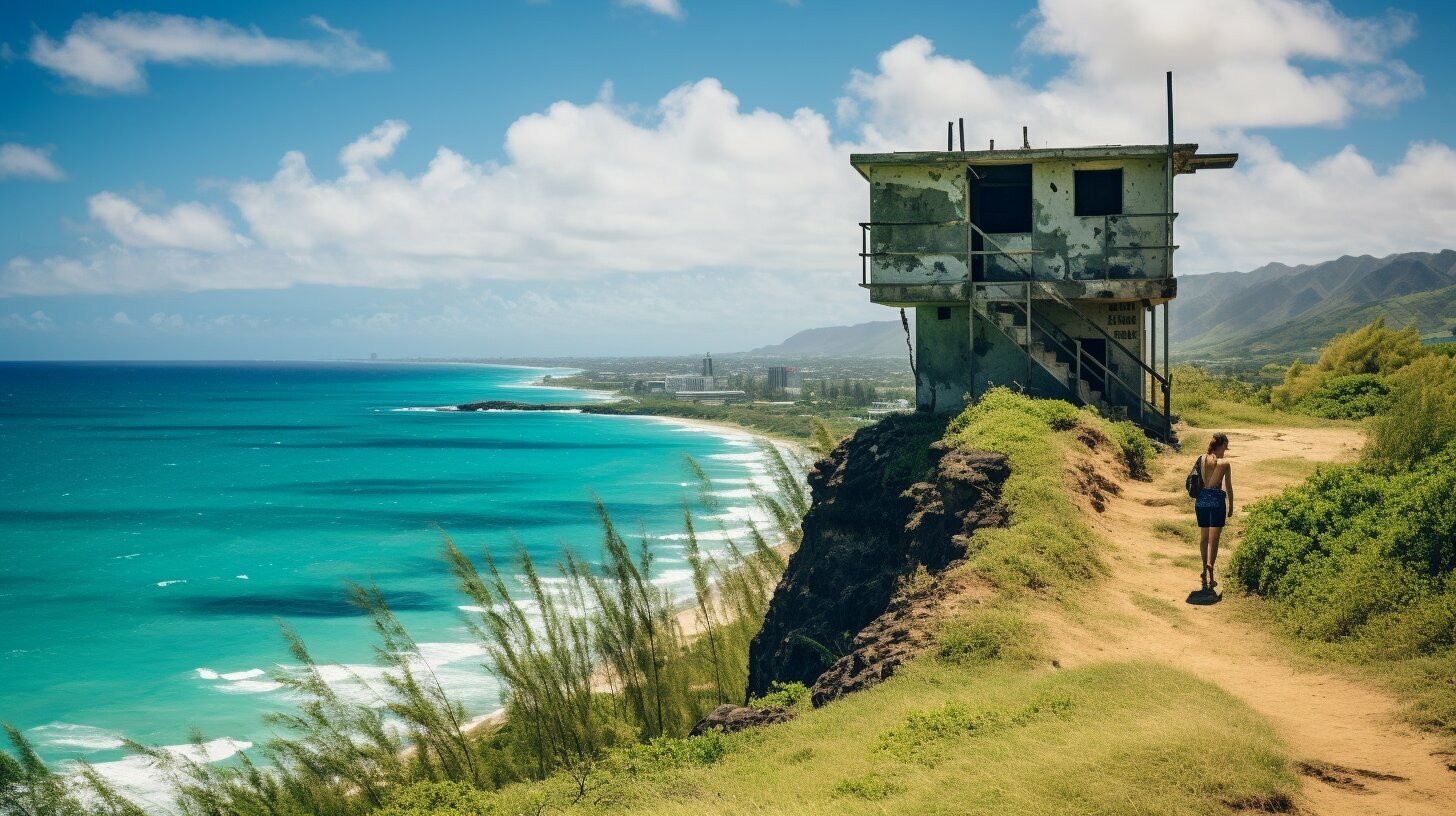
1285,310
1273,311
880,338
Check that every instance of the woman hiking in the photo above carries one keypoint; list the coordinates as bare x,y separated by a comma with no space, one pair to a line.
1214,504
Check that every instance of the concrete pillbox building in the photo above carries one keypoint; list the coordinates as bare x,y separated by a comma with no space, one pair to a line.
1045,270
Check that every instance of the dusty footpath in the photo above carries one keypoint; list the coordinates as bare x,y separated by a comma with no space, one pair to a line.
1344,731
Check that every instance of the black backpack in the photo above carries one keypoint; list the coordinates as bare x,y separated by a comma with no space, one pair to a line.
1194,483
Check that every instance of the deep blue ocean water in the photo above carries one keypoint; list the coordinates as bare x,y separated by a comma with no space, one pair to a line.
158,520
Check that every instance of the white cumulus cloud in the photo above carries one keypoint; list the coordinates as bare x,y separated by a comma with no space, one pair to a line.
186,226
110,54
20,161
667,8
1237,64
701,190
35,321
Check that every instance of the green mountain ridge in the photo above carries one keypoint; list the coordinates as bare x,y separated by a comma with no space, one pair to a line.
1283,310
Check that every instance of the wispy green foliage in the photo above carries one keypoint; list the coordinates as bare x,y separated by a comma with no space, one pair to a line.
1421,419
1372,349
29,788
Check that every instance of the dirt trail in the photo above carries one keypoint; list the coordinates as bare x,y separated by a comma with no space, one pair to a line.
1355,753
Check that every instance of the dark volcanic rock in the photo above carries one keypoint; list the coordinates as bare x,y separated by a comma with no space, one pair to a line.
869,527
899,634
730,718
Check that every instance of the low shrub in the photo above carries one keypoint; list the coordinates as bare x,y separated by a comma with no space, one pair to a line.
1354,396
670,753
782,695
920,737
872,787
985,635
1196,388
1137,450
1421,419
1360,563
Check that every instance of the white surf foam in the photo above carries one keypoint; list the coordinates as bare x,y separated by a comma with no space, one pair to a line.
63,736
139,778
169,583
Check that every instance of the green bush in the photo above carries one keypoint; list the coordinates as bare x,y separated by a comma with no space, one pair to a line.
1360,558
1353,396
1372,349
439,799
671,753
1195,388
1137,449
984,635
782,695
1422,415
922,735
872,787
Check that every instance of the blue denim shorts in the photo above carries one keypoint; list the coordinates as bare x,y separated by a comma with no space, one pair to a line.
1211,507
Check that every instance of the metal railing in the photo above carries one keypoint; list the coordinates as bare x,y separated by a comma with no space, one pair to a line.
1108,248
1077,357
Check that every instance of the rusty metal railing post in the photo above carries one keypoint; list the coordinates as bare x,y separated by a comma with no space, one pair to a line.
864,258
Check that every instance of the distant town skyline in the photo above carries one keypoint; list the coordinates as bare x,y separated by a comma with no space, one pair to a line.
274,181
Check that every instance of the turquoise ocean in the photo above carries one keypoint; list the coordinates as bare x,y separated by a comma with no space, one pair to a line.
158,520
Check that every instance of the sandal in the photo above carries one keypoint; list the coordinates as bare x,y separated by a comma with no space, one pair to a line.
1203,576
1212,584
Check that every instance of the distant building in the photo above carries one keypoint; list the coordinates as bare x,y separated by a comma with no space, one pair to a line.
656,386
693,382
713,397
708,364
783,378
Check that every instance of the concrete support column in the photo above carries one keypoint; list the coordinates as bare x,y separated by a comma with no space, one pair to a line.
943,357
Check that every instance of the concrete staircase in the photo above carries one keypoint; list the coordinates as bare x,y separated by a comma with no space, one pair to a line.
1020,334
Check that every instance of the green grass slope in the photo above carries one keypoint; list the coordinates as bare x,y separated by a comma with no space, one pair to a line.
1125,738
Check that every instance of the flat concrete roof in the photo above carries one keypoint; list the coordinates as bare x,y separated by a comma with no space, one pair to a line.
1184,159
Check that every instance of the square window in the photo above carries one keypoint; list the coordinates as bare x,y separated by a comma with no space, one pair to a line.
1098,192
1001,197
942,313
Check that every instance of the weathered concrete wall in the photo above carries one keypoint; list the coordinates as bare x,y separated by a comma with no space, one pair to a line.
1070,247
998,360
942,358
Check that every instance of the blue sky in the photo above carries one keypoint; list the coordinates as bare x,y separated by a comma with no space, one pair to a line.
247,180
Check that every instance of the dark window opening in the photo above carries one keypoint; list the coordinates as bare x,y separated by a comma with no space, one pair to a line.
942,313
1098,192
1001,197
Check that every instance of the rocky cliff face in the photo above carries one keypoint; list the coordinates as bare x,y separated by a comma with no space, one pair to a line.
875,520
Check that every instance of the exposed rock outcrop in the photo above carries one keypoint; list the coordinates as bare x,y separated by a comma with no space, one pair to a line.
873,523
730,718
900,633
